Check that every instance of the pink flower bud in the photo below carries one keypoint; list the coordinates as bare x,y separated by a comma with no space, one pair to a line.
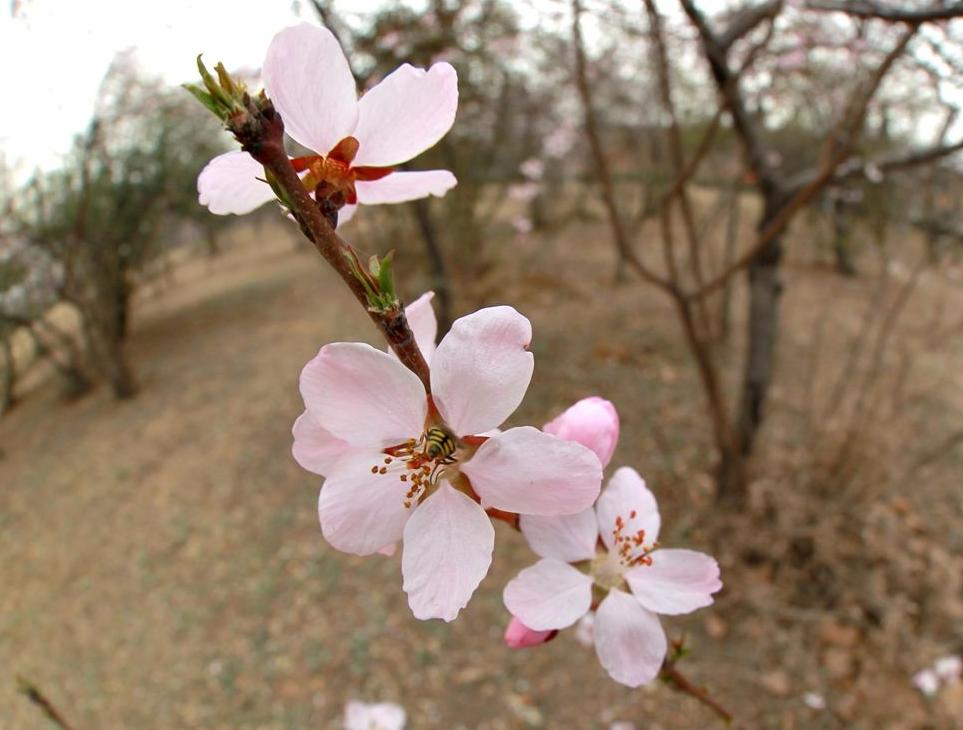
592,422
519,636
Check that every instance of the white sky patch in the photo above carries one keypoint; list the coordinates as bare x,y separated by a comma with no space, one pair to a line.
55,53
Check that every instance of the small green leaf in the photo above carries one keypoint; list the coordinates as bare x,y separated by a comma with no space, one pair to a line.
386,282
206,99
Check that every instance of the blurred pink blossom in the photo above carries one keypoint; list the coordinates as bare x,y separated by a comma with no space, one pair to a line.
927,682
560,141
523,192
522,225
532,168
948,668
356,143
378,716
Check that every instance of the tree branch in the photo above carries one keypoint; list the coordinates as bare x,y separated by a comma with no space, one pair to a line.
260,130
867,10
858,166
750,136
747,20
38,698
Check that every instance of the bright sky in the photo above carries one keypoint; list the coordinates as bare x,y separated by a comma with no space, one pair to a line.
55,53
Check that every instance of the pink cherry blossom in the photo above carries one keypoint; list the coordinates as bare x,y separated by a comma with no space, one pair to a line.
403,465
614,549
519,636
314,448
374,716
356,143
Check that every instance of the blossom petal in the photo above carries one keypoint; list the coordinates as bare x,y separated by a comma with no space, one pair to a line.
629,640
519,636
678,581
408,112
482,368
624,495
549,595
447,551
315,448
529,472
361,512
400,187
229,184
307,77
363,396
569,538
424,326
593,422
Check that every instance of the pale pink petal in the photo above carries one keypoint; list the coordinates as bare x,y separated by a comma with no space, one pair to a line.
529,472
388,550
678,581
629,640
363,396
569,538
447,551
346,213
229,184
380,716
519,636
400,187
583,630
424,326
408,112
315,449
481,369
549,595
361,512
307,77
625,495
593,422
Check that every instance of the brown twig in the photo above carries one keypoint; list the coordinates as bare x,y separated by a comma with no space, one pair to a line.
33,693
670,674
871,10
261,133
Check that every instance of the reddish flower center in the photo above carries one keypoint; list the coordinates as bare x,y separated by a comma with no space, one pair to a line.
333,173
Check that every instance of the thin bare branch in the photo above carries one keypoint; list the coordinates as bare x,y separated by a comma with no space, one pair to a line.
748,20
40,700
872,10
601,162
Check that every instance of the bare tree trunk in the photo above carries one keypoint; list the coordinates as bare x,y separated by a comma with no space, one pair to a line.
603,175
728,256
842,227
765,288
119,373
9,374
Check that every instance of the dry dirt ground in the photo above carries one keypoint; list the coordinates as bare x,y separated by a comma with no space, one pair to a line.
161,565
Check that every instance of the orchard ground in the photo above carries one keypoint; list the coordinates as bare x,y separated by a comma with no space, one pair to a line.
162,567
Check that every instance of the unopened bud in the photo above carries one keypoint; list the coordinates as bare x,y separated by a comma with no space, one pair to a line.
519,636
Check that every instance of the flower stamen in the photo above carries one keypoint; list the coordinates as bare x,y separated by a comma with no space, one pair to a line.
425,462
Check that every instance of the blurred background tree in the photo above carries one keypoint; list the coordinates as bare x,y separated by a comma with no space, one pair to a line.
125,196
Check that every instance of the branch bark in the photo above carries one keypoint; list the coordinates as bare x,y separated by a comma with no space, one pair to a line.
867,10
261,133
